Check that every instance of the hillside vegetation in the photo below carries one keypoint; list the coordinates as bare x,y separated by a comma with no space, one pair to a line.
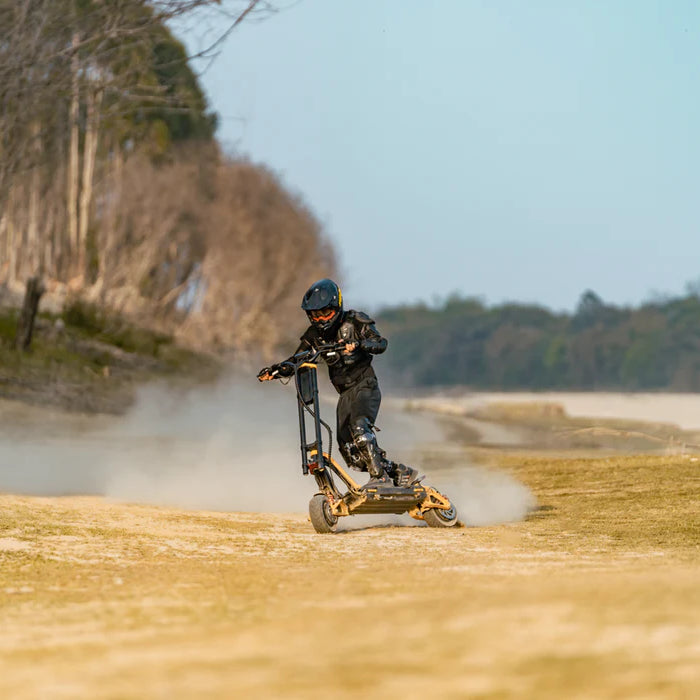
517,346
114,189
85,360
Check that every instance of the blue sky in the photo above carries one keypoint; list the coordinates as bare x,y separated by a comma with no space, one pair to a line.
505,149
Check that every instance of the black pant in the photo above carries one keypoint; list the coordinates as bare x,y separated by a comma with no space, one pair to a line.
360,401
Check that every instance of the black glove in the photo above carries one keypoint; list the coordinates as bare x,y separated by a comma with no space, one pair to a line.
283,369
373,345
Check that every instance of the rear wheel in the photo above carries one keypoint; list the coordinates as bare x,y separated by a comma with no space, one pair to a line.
322,517
438,517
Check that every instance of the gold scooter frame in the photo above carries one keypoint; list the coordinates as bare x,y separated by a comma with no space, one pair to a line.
345,504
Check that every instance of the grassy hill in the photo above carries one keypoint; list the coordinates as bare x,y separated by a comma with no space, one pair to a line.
85,360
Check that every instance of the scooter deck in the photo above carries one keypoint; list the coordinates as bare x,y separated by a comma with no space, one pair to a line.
388,499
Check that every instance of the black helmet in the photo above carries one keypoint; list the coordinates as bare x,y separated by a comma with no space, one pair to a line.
323,303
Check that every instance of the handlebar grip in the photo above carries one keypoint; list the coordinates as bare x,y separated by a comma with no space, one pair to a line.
267,373
289,367
335,347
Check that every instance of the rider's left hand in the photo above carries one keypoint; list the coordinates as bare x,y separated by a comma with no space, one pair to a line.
349,347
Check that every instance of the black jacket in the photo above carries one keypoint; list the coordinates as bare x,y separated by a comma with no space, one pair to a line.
354,327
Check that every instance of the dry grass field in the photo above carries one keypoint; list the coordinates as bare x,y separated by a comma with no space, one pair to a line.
595,594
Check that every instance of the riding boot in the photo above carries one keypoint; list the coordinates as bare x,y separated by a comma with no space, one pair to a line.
351,456
400,474
375,463
403,475
372,457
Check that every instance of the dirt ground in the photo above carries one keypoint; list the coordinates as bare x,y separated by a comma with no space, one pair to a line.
595,594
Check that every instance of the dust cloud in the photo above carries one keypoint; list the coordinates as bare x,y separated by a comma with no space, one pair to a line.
233,447
482,496
487,497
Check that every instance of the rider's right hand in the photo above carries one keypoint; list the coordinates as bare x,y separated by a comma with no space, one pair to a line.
265,374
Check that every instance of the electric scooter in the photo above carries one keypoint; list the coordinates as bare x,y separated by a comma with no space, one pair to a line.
330,503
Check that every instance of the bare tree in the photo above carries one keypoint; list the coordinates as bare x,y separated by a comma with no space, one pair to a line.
96,197
228,254
72,76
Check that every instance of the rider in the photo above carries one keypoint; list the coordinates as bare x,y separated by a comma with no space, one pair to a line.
352,376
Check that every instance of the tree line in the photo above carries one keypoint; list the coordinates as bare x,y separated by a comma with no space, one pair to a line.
114,189
518,346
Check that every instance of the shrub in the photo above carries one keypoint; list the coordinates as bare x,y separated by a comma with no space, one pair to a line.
83,315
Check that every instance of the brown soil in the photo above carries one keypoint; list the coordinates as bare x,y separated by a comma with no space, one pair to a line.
595,595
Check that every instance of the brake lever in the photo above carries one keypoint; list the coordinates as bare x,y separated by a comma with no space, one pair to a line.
331,350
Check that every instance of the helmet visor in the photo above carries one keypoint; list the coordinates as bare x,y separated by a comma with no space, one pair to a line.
323,315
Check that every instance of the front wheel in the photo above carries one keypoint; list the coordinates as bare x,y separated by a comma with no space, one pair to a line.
438,517
322,517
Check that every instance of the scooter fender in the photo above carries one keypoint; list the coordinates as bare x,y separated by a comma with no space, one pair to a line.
433,499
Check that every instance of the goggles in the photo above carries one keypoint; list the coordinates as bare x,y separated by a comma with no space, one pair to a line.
323,315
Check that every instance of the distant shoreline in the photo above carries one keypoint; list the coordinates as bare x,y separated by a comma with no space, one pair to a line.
680,409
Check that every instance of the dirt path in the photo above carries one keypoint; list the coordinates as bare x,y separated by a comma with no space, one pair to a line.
426,412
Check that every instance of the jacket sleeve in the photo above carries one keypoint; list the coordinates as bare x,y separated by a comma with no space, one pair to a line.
283,368
370,339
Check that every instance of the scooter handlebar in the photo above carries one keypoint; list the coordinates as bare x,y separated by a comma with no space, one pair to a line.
312,354
287,368
283,369
266,373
